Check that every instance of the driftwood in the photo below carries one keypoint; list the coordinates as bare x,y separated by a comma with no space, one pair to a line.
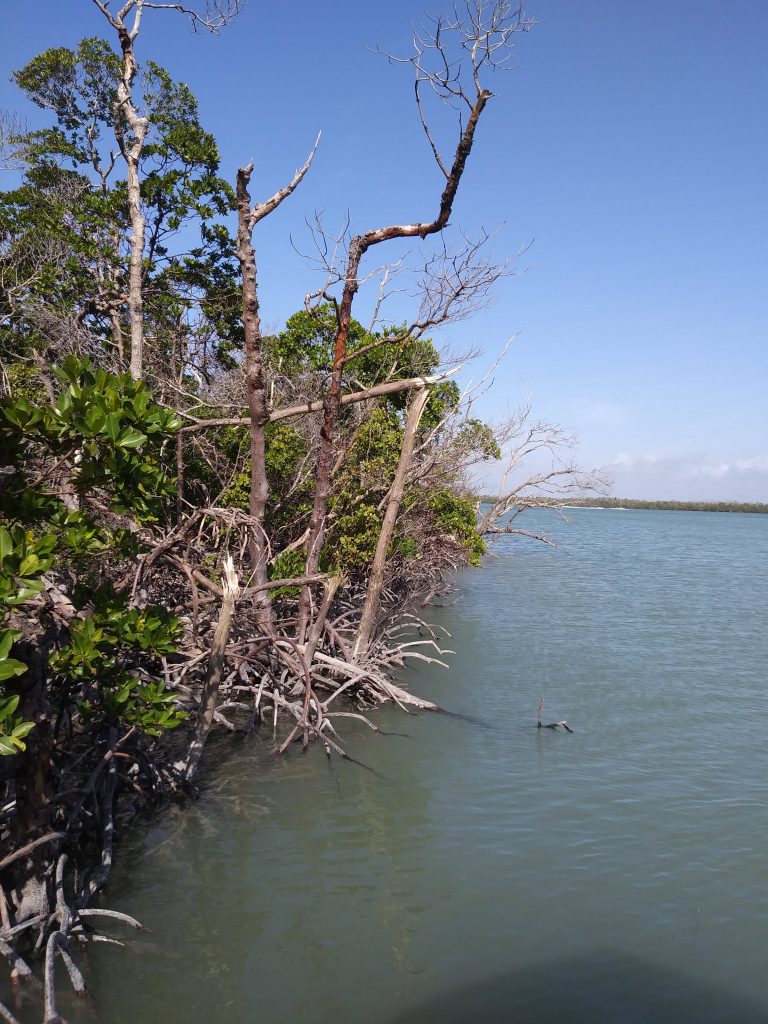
562,724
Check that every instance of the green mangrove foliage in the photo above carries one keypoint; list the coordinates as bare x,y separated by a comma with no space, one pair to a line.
73,470
370,445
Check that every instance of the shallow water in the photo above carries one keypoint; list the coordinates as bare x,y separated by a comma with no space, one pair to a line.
496,872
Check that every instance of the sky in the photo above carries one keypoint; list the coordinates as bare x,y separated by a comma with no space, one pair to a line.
625,159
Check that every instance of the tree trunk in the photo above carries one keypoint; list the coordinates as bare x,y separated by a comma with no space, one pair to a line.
358,247
258,403
210,694
258,408
32,779
132,154
316,534
376,580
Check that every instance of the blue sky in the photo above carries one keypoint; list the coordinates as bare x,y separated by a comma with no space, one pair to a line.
628,151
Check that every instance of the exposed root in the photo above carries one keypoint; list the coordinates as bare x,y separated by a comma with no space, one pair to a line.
24,850
248,680
51,1015
19,967
7,1016
75,974
114,914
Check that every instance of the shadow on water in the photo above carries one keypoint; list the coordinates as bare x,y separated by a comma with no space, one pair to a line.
604,987
470,720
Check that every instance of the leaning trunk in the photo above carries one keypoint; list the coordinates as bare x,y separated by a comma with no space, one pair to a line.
376,580
316,534
210,695
358,247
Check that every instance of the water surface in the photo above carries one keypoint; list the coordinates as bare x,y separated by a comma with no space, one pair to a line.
497,873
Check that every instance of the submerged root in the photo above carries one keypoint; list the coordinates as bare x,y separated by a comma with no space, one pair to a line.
262,679
64,916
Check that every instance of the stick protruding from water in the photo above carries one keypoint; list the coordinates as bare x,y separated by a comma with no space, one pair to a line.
562,724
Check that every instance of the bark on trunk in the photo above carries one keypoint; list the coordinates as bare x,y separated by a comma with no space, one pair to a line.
256,387
258,403
131,151
376,580
117,337
330,415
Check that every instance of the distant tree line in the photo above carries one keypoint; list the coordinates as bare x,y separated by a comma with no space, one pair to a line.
672,506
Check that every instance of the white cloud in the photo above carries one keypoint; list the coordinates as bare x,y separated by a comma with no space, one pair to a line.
758,464
717,471
688,477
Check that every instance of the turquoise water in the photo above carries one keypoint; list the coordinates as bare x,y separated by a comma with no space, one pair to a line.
493,871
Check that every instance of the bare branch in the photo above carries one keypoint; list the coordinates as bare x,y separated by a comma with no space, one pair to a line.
262,210
12,127
388,388
213,16
427,130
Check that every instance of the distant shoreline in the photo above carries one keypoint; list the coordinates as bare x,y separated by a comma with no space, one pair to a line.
663,506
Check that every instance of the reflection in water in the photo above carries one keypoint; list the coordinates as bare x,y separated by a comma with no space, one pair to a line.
398,915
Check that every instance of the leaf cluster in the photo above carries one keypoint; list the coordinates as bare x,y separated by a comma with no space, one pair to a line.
106,665
108,430
100,445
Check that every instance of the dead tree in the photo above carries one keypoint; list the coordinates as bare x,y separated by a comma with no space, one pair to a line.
549,486
390,387
255,379
131,129
394,500
485,36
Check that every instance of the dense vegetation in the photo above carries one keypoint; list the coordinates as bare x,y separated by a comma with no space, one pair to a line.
202,526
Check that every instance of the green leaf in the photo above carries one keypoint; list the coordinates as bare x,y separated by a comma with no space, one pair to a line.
112,426
124,693
6,543
130,438
95,420
8,638
11,667
29,565
8,707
